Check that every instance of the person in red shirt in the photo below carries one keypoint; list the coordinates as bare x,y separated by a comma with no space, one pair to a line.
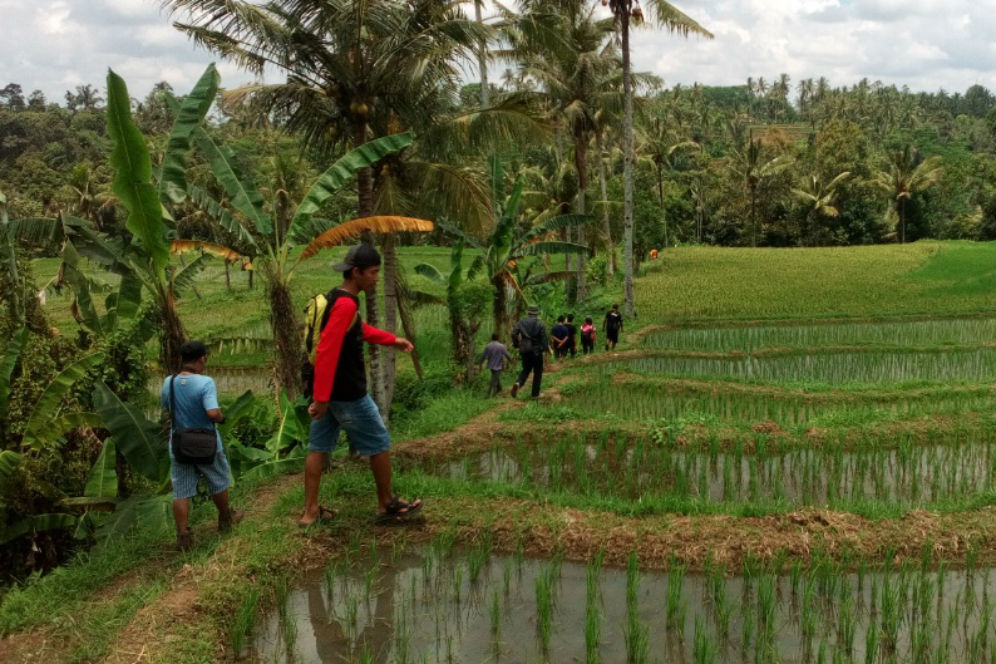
340,400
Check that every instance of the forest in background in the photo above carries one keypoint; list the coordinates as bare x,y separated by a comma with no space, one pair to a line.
697,174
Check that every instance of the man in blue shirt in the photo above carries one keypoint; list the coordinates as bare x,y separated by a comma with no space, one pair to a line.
196,407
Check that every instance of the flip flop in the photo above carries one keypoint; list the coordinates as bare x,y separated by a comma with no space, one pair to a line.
399,511
324,514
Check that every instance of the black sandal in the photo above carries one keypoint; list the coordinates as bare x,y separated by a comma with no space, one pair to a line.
399,510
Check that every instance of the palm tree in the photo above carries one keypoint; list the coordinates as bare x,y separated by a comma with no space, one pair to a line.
664,149
577,78
505,247
356,70
906,174
751,166
819,198
667,16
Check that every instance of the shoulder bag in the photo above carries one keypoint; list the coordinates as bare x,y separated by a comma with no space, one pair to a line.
195,446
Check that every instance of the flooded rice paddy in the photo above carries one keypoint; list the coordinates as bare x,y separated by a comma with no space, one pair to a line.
449,605
908,475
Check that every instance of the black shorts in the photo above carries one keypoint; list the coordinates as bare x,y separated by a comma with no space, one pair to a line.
612,335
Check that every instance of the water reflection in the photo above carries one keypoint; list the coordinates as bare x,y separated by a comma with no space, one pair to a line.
473,607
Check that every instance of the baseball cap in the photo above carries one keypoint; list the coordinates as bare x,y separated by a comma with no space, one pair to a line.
361,256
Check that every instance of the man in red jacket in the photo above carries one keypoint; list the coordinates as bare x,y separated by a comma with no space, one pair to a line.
340,400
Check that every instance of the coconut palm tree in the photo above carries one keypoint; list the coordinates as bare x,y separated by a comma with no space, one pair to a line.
752,167
664,149
665,15
906,174
577,77
818,199
505,247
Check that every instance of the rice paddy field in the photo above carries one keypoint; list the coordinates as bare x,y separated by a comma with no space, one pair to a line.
790,457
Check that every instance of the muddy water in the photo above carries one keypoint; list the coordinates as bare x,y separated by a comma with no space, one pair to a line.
909,475
478,608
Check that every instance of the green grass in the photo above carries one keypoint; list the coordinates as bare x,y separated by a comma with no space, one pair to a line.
917,334
919,279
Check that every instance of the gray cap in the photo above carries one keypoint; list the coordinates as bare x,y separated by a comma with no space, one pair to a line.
361,256
532,310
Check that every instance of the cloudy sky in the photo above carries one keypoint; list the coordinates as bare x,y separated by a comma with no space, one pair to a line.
54,45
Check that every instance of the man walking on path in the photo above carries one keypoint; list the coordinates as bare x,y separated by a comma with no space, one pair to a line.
340,400
613,324
495,354
559,334
530,338
194,405
572,336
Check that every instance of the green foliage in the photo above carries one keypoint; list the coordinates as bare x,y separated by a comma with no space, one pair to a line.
133,175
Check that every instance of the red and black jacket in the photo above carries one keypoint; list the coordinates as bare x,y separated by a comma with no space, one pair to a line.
340,374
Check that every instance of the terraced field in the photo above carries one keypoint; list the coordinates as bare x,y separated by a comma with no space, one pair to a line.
771,468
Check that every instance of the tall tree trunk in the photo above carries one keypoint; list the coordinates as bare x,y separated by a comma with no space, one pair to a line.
606,224
629,297
172,335
753,216
581,164
364,184
482,60
660,200
286,337
228,278
388,356
902,221
498,308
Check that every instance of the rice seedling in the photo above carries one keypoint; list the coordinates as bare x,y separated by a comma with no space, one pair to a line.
544,611
593,613
245,616
635,633
675,607
704,648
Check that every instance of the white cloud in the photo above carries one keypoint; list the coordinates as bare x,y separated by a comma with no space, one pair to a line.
925,44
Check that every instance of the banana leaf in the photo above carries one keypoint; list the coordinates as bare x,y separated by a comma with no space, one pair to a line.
36,524
149,512
172,176
138,438
217,211
244,197
39,428
133,176
294,425
338,175
10,357
102,481
293,462
9,461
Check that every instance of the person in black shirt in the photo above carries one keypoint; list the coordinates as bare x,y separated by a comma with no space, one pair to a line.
559,334
529,336
572,336
613,324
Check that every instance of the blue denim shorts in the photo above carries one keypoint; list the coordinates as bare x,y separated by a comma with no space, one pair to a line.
360,420
184,476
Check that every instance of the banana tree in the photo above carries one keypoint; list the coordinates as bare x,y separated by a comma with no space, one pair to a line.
466,304
505,247
277,246
141,260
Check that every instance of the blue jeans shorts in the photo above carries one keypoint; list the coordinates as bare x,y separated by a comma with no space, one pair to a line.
361,421
184,475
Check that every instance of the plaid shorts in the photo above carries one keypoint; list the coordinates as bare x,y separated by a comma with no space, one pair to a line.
184,475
